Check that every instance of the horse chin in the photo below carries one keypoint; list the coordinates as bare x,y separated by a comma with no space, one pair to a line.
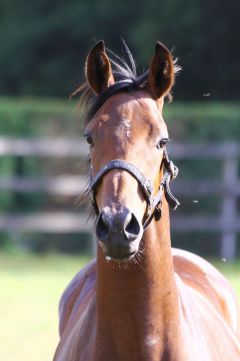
117,253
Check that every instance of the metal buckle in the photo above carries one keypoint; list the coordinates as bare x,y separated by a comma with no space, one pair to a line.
173,170
148,187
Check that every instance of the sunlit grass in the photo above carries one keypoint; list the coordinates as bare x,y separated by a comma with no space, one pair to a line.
232,272
29,295
30,290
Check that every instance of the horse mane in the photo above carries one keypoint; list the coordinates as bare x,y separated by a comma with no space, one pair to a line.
124,70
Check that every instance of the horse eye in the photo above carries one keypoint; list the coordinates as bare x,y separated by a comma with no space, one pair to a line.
89,139
162,143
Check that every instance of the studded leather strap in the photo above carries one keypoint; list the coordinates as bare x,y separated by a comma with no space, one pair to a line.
145,183
153,203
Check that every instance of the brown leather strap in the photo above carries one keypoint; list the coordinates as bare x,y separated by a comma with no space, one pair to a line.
153,203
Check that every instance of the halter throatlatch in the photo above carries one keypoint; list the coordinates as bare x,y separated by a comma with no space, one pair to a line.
154,202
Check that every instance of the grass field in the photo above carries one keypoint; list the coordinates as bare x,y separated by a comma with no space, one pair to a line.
29,295
30,290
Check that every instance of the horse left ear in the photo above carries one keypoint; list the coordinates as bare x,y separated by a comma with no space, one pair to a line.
161,72
98,68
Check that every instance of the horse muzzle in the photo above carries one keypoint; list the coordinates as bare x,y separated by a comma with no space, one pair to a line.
119,233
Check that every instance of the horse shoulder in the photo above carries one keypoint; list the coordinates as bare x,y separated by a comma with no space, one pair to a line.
200,275
77,294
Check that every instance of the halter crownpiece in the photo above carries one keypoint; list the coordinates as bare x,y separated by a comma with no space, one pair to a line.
154,203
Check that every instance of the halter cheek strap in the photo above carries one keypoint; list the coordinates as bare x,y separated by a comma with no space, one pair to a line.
153,202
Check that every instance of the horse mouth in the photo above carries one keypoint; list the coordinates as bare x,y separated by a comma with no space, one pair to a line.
122,258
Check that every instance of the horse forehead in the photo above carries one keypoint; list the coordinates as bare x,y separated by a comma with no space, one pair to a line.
129,116
136,104
130,111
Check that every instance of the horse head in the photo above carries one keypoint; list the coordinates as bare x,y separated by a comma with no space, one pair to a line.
127,137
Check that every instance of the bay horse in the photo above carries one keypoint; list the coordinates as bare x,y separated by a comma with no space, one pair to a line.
140,300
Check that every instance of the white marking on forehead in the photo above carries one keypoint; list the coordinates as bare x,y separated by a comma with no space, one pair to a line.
151,341
124,128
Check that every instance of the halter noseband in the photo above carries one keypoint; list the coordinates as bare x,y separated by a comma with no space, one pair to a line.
154,203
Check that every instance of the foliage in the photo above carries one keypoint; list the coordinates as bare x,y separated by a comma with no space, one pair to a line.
206,121
44,44
186,121
28,116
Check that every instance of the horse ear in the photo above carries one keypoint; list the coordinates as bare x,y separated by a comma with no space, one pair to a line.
161,72
98,68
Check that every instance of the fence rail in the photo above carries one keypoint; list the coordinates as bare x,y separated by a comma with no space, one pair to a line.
75,147
48,222
43,147
228,188
60,185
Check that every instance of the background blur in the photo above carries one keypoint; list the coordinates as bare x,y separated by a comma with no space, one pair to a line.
44,235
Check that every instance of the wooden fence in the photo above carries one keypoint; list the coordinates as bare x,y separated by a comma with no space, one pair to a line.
227,222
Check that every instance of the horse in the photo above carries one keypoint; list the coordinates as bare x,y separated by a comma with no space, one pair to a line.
140,300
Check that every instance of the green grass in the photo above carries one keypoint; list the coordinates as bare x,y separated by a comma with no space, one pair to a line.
30,290
232,273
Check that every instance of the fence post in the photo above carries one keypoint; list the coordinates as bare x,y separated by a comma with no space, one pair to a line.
229,207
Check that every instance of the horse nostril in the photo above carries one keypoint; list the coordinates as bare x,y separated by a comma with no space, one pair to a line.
132,227
117,227
102,227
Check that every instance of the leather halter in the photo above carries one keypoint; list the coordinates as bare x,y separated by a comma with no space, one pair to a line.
154,203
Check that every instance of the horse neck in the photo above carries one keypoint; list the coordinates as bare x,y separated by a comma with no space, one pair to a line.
137,305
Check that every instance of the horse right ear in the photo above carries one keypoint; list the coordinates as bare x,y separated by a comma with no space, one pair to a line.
161,72
98,69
